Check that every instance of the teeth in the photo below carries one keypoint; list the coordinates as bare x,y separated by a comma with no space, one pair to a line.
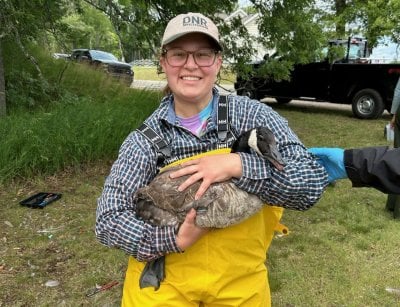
191,78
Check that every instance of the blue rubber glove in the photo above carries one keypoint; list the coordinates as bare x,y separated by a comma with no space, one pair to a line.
332,160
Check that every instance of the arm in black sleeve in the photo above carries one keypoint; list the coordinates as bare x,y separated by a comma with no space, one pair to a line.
377,167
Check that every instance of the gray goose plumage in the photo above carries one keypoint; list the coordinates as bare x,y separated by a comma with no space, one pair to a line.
161,204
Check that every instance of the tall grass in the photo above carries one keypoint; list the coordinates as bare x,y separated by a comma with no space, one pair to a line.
69,134
85,119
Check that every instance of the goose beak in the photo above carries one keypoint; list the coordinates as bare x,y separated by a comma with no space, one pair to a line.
275,158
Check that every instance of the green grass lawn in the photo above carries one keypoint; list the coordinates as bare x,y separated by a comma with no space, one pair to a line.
342,252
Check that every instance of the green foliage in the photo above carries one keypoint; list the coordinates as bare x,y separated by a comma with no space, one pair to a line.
296,30
27,20
80,115
335,53
81,130
90,28
289,28
73,132
35,92
24,89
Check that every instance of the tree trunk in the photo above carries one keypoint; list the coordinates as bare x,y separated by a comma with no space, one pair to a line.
2,86
340,6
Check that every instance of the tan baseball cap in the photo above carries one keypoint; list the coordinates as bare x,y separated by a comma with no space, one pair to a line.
190,23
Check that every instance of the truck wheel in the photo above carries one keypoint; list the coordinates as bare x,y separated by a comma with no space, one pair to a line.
249,93
367,104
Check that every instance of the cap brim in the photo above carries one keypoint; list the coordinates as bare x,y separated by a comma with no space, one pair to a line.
175,37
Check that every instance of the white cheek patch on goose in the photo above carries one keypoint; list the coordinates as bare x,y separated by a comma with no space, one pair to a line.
253,141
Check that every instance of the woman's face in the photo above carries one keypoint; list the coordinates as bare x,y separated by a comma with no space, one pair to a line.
191,83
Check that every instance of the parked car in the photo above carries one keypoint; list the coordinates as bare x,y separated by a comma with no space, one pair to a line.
105,60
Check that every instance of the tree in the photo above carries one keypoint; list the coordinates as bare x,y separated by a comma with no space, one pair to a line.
139,23
295,30
23,22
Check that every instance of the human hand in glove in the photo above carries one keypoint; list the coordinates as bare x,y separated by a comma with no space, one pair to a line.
332,160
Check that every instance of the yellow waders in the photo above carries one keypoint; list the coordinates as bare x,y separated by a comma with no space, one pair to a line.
226,267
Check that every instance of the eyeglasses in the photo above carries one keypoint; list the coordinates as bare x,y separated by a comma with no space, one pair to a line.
178,57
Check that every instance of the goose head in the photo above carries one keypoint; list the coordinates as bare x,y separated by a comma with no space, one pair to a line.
262,141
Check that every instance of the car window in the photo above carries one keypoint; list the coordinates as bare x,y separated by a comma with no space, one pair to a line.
101,55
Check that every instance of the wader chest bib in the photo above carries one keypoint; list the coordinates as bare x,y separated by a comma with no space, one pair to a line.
226,267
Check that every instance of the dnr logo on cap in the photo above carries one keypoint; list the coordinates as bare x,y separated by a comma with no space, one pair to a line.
194,21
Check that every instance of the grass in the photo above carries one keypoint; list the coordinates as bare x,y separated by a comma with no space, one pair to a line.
69,134
342,252
56,244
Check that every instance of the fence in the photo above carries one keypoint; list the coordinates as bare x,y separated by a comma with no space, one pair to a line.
143,57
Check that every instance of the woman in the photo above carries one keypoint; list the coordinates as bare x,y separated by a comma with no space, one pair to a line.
224,267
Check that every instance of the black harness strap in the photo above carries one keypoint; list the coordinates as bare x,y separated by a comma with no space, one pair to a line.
153,137
163,149
222,122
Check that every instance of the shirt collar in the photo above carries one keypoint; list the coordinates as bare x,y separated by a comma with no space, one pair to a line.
169,115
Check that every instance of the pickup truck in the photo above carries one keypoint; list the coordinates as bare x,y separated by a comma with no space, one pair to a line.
105,61
353,79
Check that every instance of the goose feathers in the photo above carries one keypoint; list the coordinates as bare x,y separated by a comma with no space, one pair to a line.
223,204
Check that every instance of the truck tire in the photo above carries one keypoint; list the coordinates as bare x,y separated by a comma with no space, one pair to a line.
249,92
367,104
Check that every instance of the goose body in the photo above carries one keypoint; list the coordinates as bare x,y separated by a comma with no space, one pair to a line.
224,204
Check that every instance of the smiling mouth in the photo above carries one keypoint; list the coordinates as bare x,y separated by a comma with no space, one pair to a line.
189,78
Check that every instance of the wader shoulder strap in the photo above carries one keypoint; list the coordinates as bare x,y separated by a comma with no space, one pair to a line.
154,138
163,149
222,122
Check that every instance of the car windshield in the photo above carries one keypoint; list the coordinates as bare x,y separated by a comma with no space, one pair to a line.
101,55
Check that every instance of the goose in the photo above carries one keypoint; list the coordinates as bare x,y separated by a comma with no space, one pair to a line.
224,204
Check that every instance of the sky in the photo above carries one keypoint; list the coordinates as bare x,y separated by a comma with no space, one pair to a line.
243,3
386,53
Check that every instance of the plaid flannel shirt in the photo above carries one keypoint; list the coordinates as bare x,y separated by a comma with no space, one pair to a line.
298,186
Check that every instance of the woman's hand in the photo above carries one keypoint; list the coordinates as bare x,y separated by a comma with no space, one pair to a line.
209,169
188,232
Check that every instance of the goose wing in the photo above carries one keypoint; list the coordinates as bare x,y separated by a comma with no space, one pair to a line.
162,204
